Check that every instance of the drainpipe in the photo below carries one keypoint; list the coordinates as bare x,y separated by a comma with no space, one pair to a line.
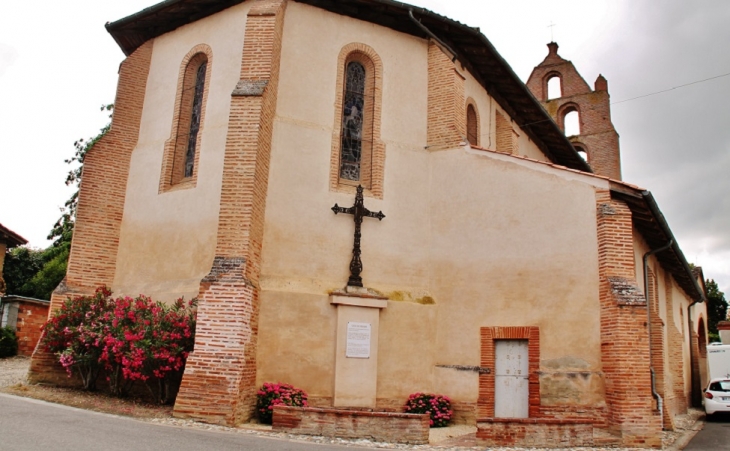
654,392
433,36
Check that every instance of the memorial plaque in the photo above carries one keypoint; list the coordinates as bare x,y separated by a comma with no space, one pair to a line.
358,340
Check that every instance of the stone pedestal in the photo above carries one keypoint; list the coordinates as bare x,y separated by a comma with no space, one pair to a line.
356,358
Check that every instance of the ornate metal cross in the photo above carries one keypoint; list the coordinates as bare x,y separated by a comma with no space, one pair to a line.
358,211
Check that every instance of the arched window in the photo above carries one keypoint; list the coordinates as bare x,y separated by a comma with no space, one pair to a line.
571,122
182,150
554,88
357,153
472,125
582,152
357,140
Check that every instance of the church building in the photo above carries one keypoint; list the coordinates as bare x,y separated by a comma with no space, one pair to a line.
368,203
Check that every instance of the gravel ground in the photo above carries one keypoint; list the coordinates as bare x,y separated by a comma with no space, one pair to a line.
13,372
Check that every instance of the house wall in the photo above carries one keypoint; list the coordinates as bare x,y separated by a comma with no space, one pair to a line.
167,241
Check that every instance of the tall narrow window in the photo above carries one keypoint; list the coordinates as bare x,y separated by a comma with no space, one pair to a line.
358,154
195,119
554,90
571,122
182,150
354,140
472,125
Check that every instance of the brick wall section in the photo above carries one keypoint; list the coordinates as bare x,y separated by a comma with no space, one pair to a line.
506,137
219,381
31,316
534,433
657,347
597,134
93,256
346,423
446,126
676,398
624,336
485,401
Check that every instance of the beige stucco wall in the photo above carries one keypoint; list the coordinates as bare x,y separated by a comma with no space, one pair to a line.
469,239
167,240
487,108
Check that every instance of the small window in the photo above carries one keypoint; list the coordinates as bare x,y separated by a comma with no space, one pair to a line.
571,123
582,152
472,125
554,88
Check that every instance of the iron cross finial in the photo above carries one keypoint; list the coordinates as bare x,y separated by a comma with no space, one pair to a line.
358,211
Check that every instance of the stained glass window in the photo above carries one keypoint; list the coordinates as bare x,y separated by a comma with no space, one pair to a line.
195,120
351,148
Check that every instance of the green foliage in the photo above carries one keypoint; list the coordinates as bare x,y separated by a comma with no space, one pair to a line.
270,395
21,264
716,306
438,406
8,342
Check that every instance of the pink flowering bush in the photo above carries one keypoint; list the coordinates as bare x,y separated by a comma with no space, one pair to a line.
131,339
438,406
271,395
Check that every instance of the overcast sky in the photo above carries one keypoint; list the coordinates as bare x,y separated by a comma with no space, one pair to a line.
58,65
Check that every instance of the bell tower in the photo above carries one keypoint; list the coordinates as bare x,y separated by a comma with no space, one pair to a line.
556,83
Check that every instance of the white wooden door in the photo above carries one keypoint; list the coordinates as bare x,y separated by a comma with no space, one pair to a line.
511,390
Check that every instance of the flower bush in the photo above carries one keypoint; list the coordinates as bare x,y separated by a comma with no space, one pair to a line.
270,395
438,406
131,339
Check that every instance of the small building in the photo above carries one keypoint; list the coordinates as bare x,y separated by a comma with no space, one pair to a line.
26,316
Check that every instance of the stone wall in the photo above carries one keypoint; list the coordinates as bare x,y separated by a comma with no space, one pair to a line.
31,316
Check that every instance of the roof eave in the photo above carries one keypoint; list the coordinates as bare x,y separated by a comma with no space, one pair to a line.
649,220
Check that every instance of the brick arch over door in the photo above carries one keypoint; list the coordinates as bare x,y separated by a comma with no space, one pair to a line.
485,402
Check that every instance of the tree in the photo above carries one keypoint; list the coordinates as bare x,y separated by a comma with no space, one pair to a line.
716,306
36,273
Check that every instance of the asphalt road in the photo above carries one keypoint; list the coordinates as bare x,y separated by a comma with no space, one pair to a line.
31,425
714,436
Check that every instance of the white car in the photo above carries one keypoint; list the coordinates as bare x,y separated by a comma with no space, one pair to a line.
717,396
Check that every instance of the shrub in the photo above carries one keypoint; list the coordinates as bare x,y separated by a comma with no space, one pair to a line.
8,342
271,395
438,406
132,339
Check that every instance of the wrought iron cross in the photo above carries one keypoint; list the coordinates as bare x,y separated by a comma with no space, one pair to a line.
358,211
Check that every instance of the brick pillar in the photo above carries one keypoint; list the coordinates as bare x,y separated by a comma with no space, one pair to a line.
93,256
624,336
219,381
446,126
